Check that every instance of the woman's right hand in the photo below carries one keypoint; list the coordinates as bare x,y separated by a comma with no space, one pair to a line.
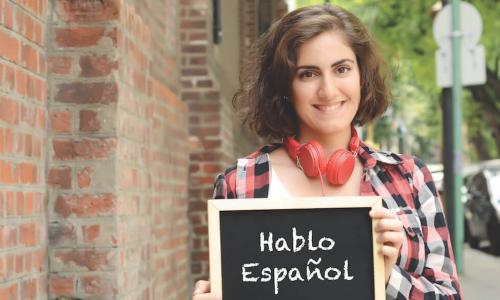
202,291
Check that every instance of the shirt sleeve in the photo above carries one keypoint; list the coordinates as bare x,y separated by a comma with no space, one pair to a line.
439,278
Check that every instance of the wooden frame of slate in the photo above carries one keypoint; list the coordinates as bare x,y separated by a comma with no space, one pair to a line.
303,248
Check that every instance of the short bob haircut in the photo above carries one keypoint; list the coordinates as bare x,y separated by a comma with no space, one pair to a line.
267,74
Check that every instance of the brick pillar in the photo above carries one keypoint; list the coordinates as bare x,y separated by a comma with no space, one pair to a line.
23,113
210,123
118,152
82,196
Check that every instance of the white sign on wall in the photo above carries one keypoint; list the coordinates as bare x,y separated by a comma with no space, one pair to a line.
473,65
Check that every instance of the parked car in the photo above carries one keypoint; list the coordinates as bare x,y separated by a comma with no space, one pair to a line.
482,208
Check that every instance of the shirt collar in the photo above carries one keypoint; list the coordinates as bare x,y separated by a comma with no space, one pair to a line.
370,156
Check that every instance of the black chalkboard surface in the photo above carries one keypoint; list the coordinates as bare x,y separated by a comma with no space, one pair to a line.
314,248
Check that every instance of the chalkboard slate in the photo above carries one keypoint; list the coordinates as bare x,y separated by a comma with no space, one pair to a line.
316,248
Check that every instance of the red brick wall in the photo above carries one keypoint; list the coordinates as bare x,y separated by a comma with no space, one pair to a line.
152,153
23,114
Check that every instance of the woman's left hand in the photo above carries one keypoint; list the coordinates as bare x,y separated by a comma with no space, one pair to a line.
389,233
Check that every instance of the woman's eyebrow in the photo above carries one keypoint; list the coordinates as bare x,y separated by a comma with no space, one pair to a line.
313,67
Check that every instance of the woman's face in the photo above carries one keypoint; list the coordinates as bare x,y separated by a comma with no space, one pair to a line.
326,85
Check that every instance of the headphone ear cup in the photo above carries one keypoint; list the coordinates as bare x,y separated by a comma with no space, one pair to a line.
340,167
312,159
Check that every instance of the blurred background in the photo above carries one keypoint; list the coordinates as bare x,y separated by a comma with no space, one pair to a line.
115,117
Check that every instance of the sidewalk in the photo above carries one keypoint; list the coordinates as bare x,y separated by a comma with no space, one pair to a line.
481,276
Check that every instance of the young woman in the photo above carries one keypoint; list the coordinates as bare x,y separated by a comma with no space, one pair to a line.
314,76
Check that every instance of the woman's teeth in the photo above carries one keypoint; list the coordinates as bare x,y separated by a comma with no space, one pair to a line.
329,107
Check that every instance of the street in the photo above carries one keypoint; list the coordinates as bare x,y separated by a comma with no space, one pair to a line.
481,276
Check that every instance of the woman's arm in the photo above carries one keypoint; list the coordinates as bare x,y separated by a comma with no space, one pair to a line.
439,278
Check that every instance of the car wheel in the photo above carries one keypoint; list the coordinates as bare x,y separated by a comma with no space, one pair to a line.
471,239
494,235
473,242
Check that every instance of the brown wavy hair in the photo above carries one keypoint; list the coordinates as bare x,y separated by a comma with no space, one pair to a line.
267,73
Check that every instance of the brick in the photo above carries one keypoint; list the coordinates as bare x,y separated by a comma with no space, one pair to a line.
19,263
193,24
29,57
82,260
85,205
7,172
2,141
28,115
94,285
204,83
9,15
12,52
21,82
27,173
9,111
38,258
84,177
61,233
8,292
89,121
60,65
90,232
19,203
198,61
10,204
87,93
87,10
28,266
9,78
8,236
194,49
37,33
27,234
62,285
95,66
59,178
28,289
29,204
78,36
61,121
83,149
40,118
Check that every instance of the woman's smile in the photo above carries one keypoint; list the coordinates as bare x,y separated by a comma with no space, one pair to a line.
330,108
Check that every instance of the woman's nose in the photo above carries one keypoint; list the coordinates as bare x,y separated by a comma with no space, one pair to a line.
327,88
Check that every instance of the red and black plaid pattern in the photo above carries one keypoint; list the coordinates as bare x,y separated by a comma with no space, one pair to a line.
425,268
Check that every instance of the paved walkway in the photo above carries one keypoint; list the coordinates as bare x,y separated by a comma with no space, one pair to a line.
481,276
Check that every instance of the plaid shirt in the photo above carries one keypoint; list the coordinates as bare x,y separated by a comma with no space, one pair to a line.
425,268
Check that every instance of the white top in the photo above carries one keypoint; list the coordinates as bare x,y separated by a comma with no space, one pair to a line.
276,188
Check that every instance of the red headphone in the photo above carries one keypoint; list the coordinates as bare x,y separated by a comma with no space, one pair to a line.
310,158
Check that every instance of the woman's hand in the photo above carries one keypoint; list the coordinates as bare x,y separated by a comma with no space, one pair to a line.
202,291
389,233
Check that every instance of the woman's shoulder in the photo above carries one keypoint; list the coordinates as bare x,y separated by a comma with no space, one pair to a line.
254,166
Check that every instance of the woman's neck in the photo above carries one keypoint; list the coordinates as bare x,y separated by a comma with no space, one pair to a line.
330,142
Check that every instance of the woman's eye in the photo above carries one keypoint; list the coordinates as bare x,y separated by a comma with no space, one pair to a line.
307,74
343,69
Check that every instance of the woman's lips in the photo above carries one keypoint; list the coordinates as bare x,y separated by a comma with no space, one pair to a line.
329,107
